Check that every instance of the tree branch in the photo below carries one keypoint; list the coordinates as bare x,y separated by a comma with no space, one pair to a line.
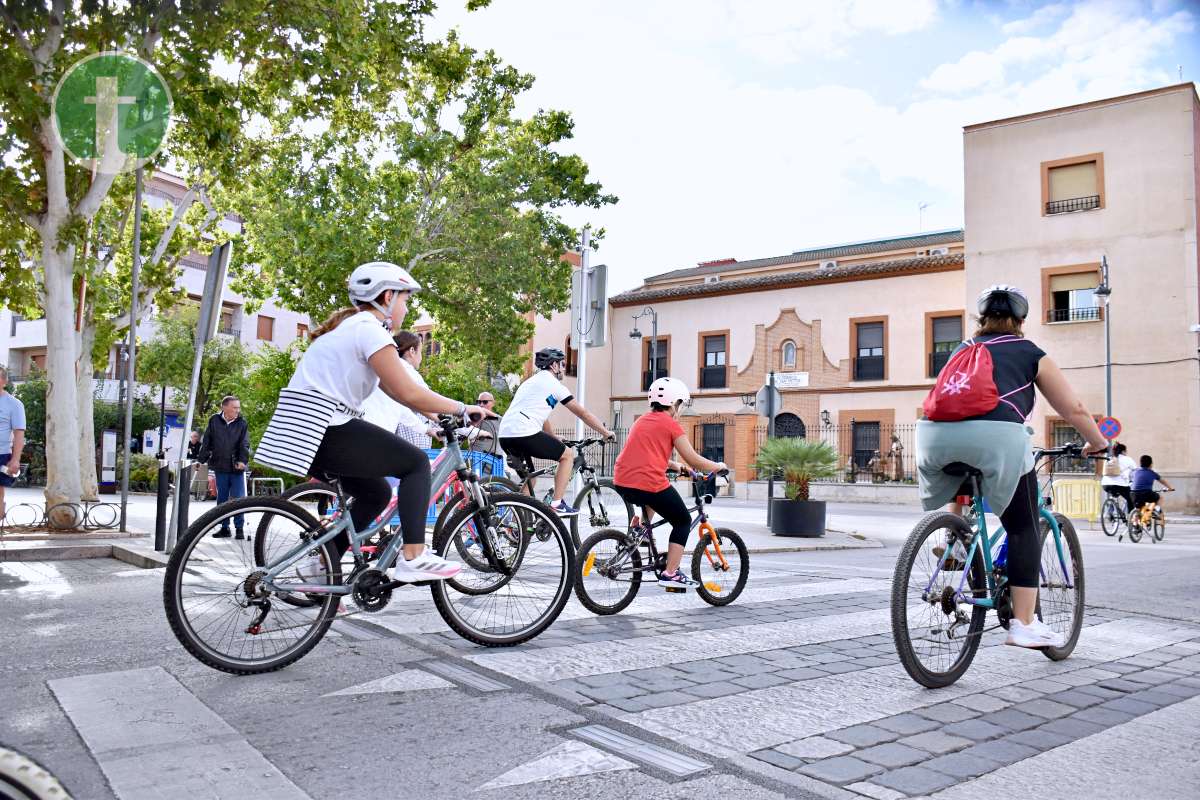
153,31
90,204
54,33
16,30
412,262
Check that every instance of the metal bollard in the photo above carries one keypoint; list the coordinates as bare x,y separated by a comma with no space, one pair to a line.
162,503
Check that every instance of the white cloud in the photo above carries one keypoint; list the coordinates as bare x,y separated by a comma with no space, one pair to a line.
1037,20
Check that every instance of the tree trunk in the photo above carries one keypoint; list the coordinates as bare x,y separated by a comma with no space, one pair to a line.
87,427
62,422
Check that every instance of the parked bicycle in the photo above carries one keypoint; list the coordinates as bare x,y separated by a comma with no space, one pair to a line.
599,504
610,563
950,572
1148,518
239,616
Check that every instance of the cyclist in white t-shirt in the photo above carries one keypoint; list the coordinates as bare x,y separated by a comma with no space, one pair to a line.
525,427
351,353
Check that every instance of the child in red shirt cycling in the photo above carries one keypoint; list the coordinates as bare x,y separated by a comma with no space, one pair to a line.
640,473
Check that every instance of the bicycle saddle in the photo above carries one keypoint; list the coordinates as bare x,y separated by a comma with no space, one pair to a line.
961,470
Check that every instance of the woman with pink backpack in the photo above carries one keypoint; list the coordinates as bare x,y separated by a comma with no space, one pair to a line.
976,415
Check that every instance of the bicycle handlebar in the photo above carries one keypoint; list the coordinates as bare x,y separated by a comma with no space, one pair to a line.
579,444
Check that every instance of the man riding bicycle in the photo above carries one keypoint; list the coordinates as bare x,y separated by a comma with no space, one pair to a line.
525,428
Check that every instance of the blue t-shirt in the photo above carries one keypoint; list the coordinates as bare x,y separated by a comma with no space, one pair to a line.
12,418
1142,480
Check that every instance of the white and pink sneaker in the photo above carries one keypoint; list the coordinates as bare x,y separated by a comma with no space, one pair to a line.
1035,635
425,567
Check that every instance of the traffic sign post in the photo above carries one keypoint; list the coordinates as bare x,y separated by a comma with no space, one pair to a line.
1110,428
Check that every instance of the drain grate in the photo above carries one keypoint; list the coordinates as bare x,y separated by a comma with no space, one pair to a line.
465,676
640,750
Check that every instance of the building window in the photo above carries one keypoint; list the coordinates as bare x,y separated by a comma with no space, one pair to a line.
1073,184
1059,433
788,355
572,360
712,441
226,323
870,339
713,367
945,334
657,364
266,328
1069,294
865,436
302,331
789,426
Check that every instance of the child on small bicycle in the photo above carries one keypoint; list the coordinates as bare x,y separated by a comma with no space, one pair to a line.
640,474
1141,483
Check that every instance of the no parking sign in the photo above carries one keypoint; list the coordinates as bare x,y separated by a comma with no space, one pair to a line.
1110,428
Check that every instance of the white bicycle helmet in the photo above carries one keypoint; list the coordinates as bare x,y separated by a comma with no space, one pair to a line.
665,391
1003,299
370,280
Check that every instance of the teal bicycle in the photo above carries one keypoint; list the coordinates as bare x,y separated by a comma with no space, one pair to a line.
951,572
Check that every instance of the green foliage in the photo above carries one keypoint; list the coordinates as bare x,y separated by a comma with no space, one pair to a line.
270,371
448,181
799,460
32,393
167,360
461,377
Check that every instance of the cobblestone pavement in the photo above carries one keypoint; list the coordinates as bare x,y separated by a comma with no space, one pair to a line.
794,690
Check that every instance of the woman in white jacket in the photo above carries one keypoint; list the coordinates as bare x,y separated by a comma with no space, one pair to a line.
381,410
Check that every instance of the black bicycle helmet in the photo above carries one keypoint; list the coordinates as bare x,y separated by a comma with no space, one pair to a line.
1002,300
543,358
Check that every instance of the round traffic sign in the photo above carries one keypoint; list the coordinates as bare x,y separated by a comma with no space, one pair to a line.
1110,428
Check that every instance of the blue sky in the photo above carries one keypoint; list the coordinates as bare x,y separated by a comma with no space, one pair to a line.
754,128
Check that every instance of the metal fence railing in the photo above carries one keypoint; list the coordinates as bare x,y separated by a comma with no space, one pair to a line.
868,451
1073,204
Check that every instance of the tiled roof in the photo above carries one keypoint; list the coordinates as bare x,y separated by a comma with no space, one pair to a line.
835,251
755,283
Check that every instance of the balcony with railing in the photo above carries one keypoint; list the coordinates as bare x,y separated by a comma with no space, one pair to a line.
712,378
868,368
227,329
1073,204
937,361
1081,314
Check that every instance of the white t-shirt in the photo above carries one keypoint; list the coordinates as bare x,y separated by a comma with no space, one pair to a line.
532,404
336,363
385,412
1127,466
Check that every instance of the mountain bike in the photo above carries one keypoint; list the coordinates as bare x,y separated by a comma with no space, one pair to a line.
610,564
598,502
950,572
239,616
1112,513
22,778
1148,518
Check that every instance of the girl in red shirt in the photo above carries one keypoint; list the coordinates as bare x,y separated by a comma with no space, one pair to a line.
640,474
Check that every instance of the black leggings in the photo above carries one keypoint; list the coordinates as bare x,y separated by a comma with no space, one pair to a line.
667,504
362,455
1023,526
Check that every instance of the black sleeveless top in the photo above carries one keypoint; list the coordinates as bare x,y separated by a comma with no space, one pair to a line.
1014,369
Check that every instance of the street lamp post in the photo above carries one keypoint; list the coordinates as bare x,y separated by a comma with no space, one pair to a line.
636,334
1104,291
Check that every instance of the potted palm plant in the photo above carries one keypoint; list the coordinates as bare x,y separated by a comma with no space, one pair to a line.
799,461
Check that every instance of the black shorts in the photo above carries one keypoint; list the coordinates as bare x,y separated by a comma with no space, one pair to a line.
1147,496
539,445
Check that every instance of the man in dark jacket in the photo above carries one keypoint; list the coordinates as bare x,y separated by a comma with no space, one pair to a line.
225,447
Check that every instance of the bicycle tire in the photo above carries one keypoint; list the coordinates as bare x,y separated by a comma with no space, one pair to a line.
534,509
595,578
318,488
901,634
1074,552
22,778
1159,529
476,560
1135,532
1110,517
699,561
597,517
177,565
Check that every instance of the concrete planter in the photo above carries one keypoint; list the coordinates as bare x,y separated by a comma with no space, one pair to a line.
798,518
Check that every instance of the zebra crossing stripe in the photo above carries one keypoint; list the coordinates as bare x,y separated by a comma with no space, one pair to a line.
153,738
409,680
570,759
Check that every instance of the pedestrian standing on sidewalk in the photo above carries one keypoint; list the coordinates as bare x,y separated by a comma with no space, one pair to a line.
12,437
193,450
225,447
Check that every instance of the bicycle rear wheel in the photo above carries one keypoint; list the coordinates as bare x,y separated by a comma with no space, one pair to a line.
1160,528
1135,529
608,572
1061,590
720,586
317,498
499,610
1110,517
600,507
217,606
936,637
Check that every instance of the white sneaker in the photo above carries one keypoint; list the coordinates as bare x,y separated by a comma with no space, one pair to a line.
425,567
311,570
1035,635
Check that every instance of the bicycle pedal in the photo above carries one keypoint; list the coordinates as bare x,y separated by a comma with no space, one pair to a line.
674,590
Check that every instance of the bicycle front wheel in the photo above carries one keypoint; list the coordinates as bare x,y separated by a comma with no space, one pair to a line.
937,633
608,572
1135,529
218,606
1060,594
1160,528
487,606
720,582
1110,517
600,507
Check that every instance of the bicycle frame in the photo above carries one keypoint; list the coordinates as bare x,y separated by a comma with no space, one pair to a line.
449,463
